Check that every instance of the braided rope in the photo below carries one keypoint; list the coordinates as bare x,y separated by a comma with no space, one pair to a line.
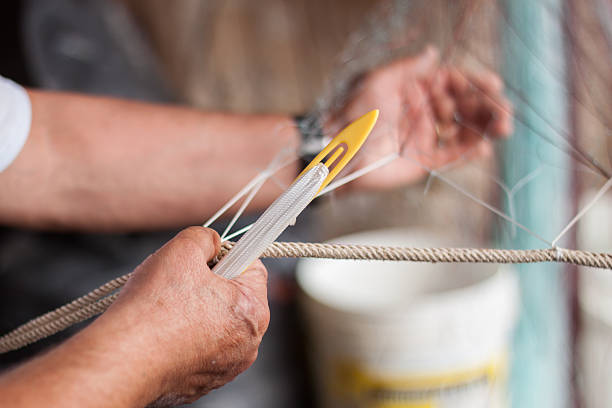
75,305
100,299
14,341
433,255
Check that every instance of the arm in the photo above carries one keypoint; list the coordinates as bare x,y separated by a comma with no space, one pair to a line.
176,332
105,164
97,163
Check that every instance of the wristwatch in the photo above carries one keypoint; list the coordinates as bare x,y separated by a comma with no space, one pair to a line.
313,140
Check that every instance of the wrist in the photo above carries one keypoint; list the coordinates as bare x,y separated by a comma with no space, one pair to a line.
313,136
315,131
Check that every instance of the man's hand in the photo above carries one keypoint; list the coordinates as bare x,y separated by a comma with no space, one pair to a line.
430,114
203,328
176,332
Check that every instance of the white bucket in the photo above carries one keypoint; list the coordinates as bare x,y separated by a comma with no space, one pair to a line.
595,300
399,334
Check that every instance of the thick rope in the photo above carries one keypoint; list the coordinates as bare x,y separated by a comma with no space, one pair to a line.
75,305
433,255
100,299
14,341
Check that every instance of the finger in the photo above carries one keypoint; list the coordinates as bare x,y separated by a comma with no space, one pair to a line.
502,112
424,64
458,82
444,107
477,94
442,101
437,85
447,134
206,239
419,134
487,82
468,143
468,105
255,277
494,115
469,137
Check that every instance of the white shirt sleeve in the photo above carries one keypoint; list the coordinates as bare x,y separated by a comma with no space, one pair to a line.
15,120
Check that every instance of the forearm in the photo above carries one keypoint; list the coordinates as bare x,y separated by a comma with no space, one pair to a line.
99,163
95,368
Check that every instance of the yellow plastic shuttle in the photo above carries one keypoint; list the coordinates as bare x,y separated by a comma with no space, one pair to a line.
291,202
343,147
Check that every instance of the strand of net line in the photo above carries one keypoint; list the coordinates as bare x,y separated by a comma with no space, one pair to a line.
100,299
558,76
604,189
243,207
477,200
509,192
591,160
579,53
605,17
275,165
336,184
463,159
573,151
253,183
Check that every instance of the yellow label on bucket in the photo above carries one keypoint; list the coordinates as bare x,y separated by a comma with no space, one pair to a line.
363,388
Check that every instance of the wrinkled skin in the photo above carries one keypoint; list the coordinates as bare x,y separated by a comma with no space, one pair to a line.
203,328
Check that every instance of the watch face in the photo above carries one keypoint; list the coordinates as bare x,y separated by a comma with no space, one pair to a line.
313,140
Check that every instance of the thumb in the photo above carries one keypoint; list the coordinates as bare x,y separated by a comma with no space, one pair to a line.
205,239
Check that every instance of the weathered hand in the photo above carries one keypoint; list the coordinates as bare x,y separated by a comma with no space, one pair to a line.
430,114
199,330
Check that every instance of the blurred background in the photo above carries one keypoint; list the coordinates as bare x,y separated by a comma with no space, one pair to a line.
551,336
